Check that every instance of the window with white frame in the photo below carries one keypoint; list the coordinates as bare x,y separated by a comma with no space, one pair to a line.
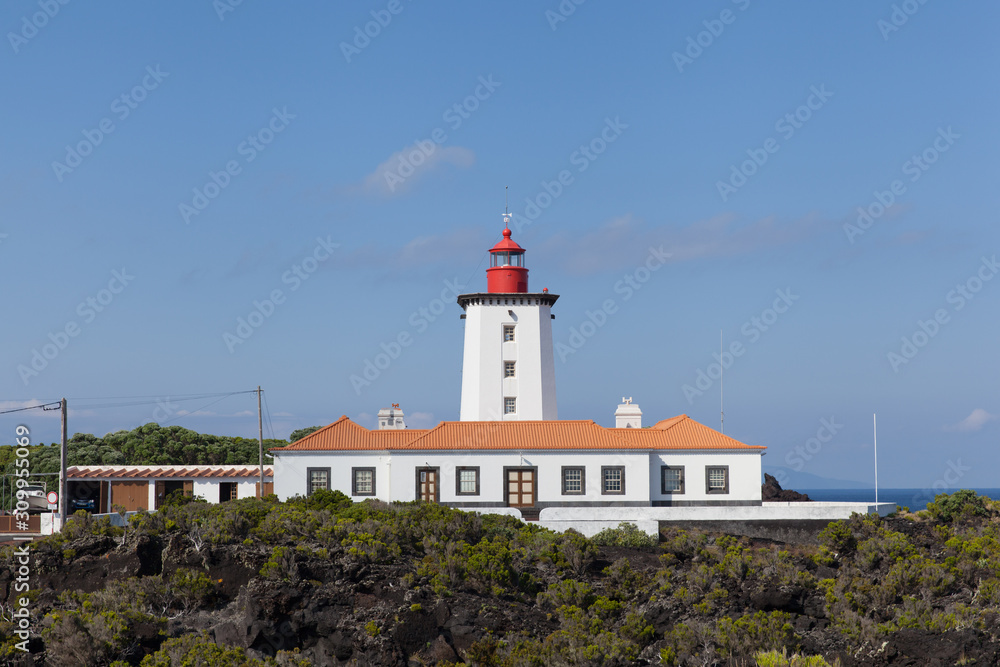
509,405
509,369
612,480
717,479
573,481
467,481
363,481
508,333
672,479
318,480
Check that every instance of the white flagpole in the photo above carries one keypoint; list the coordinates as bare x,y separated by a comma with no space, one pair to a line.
875,436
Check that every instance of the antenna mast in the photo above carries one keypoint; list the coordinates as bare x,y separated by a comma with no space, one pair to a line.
875,438
722,371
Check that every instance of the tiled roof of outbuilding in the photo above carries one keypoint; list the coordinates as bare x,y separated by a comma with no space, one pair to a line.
183,472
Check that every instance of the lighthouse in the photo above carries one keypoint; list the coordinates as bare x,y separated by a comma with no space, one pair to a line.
508,367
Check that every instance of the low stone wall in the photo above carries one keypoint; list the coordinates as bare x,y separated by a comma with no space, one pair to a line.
506,511
781,521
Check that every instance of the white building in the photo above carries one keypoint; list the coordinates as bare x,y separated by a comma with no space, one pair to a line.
528,465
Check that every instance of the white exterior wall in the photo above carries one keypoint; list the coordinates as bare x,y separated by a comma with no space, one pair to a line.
491,477
246,489
483,384
207,490
395,475
744,475
291,468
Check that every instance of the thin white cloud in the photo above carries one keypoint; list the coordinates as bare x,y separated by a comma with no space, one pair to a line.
624,241
453,251
404,168
420,420
976,420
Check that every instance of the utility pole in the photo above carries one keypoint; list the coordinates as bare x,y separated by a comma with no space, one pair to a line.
260,437
62,464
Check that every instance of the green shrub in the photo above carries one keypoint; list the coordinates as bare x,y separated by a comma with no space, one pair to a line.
625,535
192,588
198,650
963,504
839,538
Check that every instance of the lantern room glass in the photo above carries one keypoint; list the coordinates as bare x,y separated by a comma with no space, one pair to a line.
506,258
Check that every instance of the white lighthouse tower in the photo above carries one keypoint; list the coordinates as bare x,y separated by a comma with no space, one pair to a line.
508,371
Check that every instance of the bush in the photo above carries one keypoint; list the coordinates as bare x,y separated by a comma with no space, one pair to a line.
192,588
198,650
625,535
963,504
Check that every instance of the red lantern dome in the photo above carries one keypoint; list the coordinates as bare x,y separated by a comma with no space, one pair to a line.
507,274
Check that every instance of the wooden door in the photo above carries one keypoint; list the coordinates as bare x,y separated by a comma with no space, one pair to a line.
428,484
130,495
521,487
105,505
268,489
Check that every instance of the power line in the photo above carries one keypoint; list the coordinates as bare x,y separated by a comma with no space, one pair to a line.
43,406
156,399
208,405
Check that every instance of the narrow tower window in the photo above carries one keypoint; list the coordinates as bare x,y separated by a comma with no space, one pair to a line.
509,405
508,333
508,369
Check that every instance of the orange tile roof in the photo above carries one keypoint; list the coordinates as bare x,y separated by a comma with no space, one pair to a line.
104,472
680,432
344,434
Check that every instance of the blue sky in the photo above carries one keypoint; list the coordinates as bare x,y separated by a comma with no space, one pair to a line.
214,157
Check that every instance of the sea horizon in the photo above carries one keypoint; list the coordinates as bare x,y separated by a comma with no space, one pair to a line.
915,499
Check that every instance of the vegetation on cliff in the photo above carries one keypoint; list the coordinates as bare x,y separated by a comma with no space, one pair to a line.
324,581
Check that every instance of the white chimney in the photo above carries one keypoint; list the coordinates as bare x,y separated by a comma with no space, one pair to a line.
628,415
391,418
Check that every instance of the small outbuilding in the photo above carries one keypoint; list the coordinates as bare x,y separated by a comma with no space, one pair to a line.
145,487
